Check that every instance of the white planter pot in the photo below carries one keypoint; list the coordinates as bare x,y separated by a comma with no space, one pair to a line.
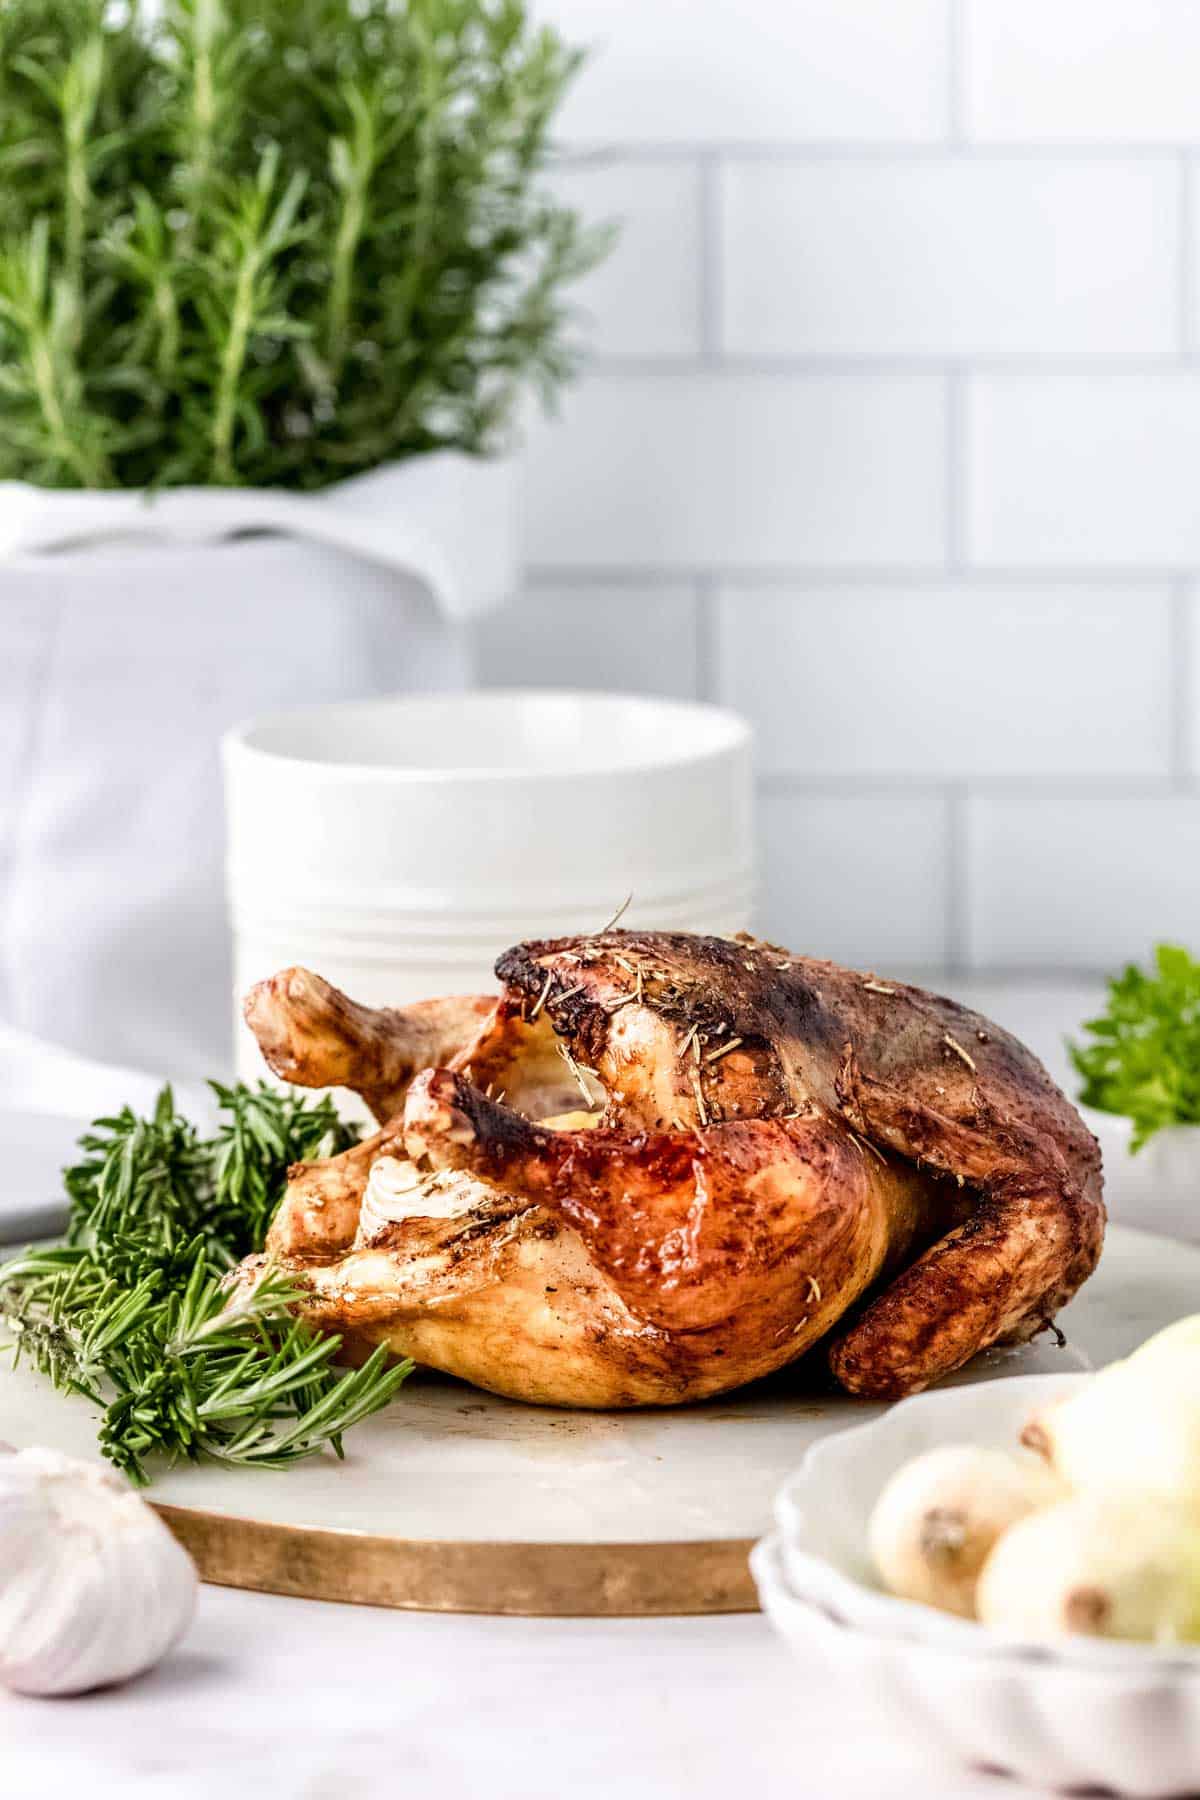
125,658
1158,1189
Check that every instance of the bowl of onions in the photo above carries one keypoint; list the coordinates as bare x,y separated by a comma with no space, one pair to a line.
1014,1568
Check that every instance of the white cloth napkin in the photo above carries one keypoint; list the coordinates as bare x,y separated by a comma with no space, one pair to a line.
448,520
135,631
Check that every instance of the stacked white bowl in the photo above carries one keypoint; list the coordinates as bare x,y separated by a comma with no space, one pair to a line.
397,846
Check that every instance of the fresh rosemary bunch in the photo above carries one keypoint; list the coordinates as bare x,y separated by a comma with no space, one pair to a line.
269,242
130,1311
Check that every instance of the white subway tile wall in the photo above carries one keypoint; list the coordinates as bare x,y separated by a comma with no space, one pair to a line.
891,848
644,299
933,257
1080,71
1062,879
723,469
757,71
629,640
889,436
999,680
1088,471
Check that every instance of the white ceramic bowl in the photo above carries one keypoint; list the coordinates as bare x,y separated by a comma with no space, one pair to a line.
397,846
1078,1711
1156,1188
1134,1730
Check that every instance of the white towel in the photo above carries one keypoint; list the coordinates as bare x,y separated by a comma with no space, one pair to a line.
133,633
447,521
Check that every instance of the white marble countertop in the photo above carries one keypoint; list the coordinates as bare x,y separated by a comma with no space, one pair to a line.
309,1701
305,1701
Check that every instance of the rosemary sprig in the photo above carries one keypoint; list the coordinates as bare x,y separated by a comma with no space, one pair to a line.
132,1311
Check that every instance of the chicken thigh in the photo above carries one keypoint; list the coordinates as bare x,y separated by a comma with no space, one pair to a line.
660,1165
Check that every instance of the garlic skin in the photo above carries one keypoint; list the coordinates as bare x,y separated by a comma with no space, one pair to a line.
1104,1565
939,1516
93,1587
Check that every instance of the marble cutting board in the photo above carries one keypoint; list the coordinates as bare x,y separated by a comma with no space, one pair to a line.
453,1500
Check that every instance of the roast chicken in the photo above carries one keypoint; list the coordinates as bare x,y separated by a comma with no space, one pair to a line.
659,1165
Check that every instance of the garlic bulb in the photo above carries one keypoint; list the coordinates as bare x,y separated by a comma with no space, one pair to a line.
93,1587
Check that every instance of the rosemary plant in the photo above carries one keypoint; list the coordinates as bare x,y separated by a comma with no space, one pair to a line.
272,242
131,1313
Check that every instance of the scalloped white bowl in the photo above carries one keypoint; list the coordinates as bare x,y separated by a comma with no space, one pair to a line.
1036,1716
1079,1711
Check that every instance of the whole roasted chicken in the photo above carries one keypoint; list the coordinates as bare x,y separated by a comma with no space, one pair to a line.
660,1165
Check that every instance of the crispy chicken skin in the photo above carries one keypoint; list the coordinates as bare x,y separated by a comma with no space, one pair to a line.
661,1165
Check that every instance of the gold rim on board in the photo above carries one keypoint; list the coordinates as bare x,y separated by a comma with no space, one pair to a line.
428,1575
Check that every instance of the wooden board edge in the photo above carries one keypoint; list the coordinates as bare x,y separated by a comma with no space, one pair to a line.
426,1575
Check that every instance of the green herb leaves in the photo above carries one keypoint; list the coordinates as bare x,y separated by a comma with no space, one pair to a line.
261,1135
1144,1060
132,1312
274,242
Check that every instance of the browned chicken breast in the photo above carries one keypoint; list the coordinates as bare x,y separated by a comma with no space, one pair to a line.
661,1165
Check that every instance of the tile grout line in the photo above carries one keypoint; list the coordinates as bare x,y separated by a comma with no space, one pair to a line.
956,26
708,177
841,575
796,150
873,366
705,614
1186,251
956,472
1180,701
1026,969
672,365
958,879
1051,785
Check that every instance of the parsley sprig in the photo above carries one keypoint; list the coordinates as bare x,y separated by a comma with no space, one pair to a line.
130,1310
1144,1060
